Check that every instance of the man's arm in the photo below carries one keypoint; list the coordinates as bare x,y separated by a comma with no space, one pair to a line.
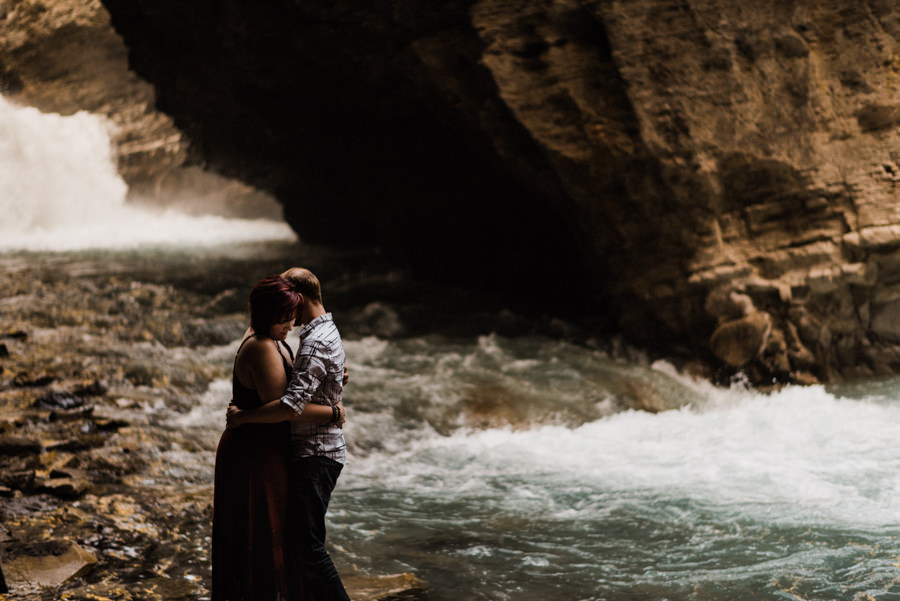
309,373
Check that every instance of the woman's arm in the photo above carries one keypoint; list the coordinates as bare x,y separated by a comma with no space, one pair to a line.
276,411
260,366
262,363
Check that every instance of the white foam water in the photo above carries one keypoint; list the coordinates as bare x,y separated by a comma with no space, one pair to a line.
797,457
60,191
732,494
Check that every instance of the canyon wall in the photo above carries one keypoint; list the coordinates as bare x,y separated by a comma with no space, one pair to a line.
717,178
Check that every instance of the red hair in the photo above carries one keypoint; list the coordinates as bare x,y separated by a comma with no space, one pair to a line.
272,300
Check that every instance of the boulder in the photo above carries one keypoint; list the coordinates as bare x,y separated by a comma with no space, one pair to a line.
64,488
739,341
375,588
49,564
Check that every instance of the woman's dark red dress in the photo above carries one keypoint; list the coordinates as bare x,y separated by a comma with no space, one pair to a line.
250,508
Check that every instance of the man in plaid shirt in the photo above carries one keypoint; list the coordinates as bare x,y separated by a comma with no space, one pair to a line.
319,451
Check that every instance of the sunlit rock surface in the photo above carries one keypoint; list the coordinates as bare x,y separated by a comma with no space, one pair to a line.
647,158
50,564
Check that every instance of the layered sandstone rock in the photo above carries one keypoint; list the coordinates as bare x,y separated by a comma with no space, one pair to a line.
721,174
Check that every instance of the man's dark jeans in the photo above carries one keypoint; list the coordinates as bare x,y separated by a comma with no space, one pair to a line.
311,481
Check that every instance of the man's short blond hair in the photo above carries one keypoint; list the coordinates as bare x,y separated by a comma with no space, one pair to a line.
304,282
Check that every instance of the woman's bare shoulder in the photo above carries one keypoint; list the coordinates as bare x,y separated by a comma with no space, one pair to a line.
258,349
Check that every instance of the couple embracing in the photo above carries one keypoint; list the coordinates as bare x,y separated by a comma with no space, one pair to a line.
282,451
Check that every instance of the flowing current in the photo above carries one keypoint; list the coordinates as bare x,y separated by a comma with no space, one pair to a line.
498,466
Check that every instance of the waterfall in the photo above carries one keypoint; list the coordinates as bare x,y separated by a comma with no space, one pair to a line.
59,190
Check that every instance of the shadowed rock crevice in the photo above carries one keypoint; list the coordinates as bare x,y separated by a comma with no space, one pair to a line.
340,113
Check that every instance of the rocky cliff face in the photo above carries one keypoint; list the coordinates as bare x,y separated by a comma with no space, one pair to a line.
722,173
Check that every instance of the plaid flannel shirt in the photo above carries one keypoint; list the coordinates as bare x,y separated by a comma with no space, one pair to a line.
318,377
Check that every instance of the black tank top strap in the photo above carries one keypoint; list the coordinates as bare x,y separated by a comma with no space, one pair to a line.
243,342
289,350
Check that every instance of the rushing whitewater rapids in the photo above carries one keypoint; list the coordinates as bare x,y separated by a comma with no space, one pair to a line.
734,495
496,462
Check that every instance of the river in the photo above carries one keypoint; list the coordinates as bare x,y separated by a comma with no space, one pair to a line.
494,456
